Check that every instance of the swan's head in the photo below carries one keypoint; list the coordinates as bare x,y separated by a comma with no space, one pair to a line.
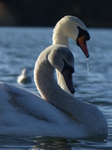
62,59
25,72
72,27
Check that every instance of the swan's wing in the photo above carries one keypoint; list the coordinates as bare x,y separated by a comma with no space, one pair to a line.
30,104
23,100
24,113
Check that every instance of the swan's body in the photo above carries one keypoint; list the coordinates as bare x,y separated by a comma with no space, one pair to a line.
70,27
25,114
24,77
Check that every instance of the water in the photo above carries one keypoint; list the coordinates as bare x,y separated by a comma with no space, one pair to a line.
20,47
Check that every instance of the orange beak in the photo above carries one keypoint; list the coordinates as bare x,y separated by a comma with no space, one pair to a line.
83,45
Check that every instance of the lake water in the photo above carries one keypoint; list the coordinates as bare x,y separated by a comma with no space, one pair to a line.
20,47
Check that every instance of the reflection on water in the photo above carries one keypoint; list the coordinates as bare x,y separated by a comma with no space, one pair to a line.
50,143
20,47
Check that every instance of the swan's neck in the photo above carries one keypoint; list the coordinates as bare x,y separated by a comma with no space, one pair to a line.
84,113
59,37
47,85
45,80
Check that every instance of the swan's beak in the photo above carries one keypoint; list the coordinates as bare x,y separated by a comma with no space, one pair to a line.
67,74
83,45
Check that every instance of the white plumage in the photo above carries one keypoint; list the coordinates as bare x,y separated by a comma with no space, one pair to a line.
57,113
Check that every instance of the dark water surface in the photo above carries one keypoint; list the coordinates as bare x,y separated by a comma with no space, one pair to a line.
20,47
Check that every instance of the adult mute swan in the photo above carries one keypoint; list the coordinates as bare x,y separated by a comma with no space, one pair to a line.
70,27
56,113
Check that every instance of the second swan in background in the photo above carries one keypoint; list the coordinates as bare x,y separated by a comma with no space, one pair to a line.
74,28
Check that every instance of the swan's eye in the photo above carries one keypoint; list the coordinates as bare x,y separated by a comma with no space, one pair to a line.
67,67
83,33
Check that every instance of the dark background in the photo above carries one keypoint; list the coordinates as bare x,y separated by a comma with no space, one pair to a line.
94,13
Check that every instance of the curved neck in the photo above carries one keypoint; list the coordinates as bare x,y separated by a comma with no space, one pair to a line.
44,79
47,85
59,37
51,92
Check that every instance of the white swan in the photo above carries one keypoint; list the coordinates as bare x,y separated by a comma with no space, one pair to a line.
70,27
24,77
23,113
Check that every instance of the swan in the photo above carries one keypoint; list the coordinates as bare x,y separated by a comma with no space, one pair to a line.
74,28
24,77
55,113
